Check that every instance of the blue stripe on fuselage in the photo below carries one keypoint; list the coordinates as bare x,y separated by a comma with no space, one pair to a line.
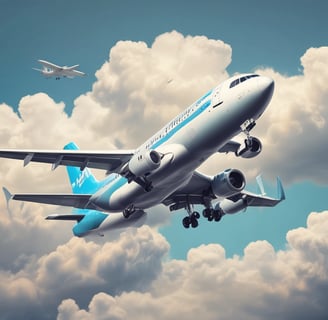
183,123
92,220
103,199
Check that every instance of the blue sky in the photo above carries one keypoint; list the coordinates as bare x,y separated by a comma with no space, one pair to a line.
68,32
261,34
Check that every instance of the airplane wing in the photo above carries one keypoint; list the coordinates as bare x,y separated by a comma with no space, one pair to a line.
230,146
198,191
50,65
77,73
111,161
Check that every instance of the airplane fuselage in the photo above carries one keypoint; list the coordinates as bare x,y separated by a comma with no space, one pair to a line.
188,140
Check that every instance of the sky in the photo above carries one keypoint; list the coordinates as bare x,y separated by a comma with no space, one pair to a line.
262,263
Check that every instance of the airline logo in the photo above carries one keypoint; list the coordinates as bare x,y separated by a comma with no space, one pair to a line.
85,174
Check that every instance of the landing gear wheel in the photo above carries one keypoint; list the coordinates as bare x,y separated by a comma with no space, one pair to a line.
207,212
217,215
196,215
186,222
194,222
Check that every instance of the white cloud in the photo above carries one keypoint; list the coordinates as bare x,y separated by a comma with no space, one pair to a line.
81,269
261,284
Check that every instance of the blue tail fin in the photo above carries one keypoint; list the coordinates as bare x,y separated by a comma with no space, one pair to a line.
82,181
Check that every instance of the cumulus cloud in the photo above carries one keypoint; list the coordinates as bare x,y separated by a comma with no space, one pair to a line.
137,91
131,277
262,284
81,269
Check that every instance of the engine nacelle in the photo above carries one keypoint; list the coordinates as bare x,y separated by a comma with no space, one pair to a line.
228,183
253,147
227,206
142,164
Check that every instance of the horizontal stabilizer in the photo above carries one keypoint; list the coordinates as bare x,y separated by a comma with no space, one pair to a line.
68,200
36,69
7,194
66,217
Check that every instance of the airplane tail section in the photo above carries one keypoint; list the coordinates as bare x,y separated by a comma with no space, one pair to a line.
82,181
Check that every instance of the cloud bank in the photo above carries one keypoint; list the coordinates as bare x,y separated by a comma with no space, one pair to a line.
263,284
137,91
131,277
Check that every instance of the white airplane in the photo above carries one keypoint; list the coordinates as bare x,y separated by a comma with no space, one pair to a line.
163,169
52,70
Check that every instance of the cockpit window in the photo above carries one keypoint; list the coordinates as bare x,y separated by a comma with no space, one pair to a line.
242,79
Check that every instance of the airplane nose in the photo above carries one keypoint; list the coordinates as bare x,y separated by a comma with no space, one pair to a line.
265,87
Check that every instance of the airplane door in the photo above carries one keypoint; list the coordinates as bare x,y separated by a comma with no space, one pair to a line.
217,99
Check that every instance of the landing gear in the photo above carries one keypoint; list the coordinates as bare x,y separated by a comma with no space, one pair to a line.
211,214
246,127
192,218
127,212
208,213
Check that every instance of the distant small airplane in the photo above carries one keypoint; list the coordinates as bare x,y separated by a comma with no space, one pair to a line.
52,70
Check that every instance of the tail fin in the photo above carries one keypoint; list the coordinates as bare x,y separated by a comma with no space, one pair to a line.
82,181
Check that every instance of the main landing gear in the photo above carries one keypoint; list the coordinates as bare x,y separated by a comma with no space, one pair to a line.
211,214
191,220
193,216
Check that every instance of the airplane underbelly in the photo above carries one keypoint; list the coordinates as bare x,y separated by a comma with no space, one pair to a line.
133,194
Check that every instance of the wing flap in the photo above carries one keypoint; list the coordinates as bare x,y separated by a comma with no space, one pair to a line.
230,146
196,191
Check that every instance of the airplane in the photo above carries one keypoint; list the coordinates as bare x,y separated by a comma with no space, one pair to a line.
163,170
52,70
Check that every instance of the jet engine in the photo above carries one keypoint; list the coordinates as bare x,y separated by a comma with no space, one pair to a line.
228,206
253,147
141,164
228,183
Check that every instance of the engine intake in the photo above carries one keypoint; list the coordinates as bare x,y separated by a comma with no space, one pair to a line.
228,183
142,164
253,147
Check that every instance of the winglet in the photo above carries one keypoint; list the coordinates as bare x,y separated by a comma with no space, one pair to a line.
8,197
280,190
260,184
7,194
